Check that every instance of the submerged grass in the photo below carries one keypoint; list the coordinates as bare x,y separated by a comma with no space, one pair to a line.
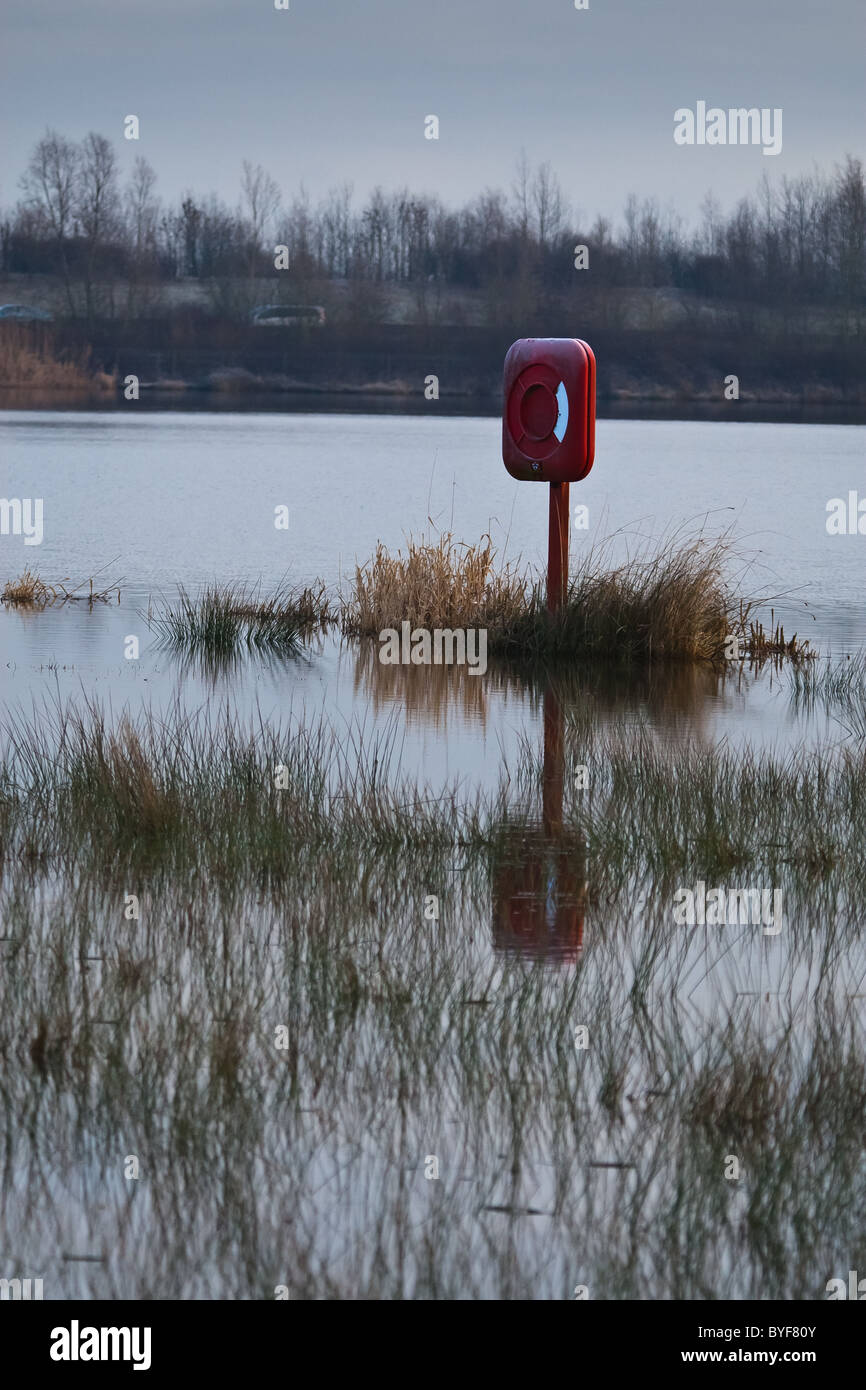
228,618
208,793
837,687
282,1036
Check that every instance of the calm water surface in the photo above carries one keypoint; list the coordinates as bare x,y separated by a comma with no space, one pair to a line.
154,501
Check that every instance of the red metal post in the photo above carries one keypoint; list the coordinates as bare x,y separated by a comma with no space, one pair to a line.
557,547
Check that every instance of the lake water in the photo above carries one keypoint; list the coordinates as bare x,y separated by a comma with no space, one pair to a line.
150,502
155,501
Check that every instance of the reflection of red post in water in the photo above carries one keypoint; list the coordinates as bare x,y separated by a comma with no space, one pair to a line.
539,894
554,755
539,901
557,547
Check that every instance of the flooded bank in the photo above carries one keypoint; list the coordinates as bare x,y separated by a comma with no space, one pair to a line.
386,960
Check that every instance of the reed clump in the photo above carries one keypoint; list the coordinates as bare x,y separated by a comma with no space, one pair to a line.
666,602
29,591
227,619
838,687
29,358
761,646
835,683
669,601
434,584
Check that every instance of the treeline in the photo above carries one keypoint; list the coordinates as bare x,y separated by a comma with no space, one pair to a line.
115,244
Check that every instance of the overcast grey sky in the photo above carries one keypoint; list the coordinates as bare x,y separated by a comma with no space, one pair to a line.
336,90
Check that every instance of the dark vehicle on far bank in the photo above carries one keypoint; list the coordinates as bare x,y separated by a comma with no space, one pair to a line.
24,313
288,315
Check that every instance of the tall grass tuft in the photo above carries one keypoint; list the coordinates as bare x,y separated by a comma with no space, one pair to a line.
29,358
835,685
670,601
30,591
27,591
434,584
227,619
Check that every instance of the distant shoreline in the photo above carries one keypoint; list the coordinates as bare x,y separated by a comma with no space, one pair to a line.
385,398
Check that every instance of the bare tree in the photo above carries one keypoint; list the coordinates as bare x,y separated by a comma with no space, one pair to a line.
142,207
850,204
376,234
489,215
335,220
521,195
49,186
190,218
96,205
548,205
260,201
142,217
710,239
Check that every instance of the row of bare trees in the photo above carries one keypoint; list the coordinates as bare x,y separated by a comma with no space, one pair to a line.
114,243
